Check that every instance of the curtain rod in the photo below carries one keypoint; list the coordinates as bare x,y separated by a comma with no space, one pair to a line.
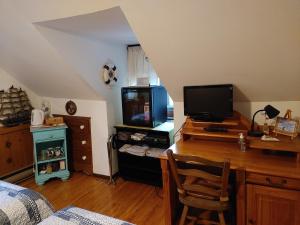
128,46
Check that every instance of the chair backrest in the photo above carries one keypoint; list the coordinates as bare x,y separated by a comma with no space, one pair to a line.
193,179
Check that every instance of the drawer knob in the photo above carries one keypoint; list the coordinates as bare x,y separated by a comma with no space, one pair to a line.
83,142
84,157
81,127
282,182
251,221
8,144
9,160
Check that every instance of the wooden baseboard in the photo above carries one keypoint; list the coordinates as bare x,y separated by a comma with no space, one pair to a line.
105,176
19,176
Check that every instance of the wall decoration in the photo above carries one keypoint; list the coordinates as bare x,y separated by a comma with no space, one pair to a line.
109,74
71,107
15,107
286,125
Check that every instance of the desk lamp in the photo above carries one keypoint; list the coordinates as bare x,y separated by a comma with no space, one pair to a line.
271,113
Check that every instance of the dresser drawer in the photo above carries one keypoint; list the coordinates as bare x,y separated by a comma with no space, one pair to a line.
78,144
7,164
273,181
49,135
80,126
82,156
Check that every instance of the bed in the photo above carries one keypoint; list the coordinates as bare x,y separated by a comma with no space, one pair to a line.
20,206
77,216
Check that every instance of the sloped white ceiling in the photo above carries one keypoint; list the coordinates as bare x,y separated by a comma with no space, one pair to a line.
252,44
108,25
29,57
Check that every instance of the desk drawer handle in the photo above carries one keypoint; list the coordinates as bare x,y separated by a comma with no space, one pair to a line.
283,182
250,221
83,142
84,157
9,160
81,127
8,144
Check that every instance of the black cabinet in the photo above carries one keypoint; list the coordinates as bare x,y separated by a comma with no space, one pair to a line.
145,168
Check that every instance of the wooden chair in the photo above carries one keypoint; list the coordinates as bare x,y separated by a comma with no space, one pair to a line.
200,189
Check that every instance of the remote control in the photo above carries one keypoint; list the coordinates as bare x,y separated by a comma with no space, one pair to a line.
215,129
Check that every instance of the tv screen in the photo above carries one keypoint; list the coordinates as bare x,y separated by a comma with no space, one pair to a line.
208,102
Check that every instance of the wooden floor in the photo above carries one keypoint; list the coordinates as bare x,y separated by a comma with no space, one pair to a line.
134,202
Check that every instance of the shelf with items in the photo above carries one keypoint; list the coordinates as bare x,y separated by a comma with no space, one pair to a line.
49,150
51,167
151,138
283,145
233,126
51,160
143,168
50,153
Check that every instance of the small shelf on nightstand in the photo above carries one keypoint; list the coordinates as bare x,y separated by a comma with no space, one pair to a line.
51,160
50,153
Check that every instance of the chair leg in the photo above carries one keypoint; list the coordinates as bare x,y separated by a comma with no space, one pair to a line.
183,215
221,218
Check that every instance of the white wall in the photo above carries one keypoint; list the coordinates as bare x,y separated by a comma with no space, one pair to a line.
99,130
87,57
29,57
6,80
252,44
96,109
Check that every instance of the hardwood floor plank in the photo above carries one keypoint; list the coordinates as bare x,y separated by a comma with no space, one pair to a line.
134,202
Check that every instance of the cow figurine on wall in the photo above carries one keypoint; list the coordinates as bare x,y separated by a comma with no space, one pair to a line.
109,74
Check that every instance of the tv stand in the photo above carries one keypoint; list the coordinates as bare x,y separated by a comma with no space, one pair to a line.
231,128
207,119
214,128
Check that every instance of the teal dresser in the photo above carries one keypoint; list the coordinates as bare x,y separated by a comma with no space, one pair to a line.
50,153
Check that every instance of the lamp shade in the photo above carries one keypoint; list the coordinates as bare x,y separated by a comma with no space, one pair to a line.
271,111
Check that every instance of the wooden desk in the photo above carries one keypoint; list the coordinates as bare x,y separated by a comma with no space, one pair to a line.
253,167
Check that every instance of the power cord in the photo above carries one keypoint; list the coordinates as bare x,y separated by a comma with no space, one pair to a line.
175,134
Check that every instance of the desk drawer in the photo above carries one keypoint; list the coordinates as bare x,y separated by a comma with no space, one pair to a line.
49,135
273,181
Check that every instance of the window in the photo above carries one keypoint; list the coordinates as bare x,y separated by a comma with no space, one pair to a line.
140,68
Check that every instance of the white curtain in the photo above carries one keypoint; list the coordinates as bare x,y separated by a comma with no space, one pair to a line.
139,66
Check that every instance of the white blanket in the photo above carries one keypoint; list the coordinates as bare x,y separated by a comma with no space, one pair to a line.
78,216
22,206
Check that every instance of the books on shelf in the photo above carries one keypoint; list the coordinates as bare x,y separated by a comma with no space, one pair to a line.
142,150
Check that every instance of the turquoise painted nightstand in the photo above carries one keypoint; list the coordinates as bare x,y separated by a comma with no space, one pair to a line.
50,153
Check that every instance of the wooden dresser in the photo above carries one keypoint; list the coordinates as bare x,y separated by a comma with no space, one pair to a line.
79,143
16,149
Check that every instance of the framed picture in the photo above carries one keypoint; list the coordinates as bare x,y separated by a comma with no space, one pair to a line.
71,108
287,127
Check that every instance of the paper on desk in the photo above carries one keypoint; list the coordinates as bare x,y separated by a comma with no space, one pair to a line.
268,138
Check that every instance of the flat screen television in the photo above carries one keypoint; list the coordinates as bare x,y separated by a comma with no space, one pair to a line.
208,103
